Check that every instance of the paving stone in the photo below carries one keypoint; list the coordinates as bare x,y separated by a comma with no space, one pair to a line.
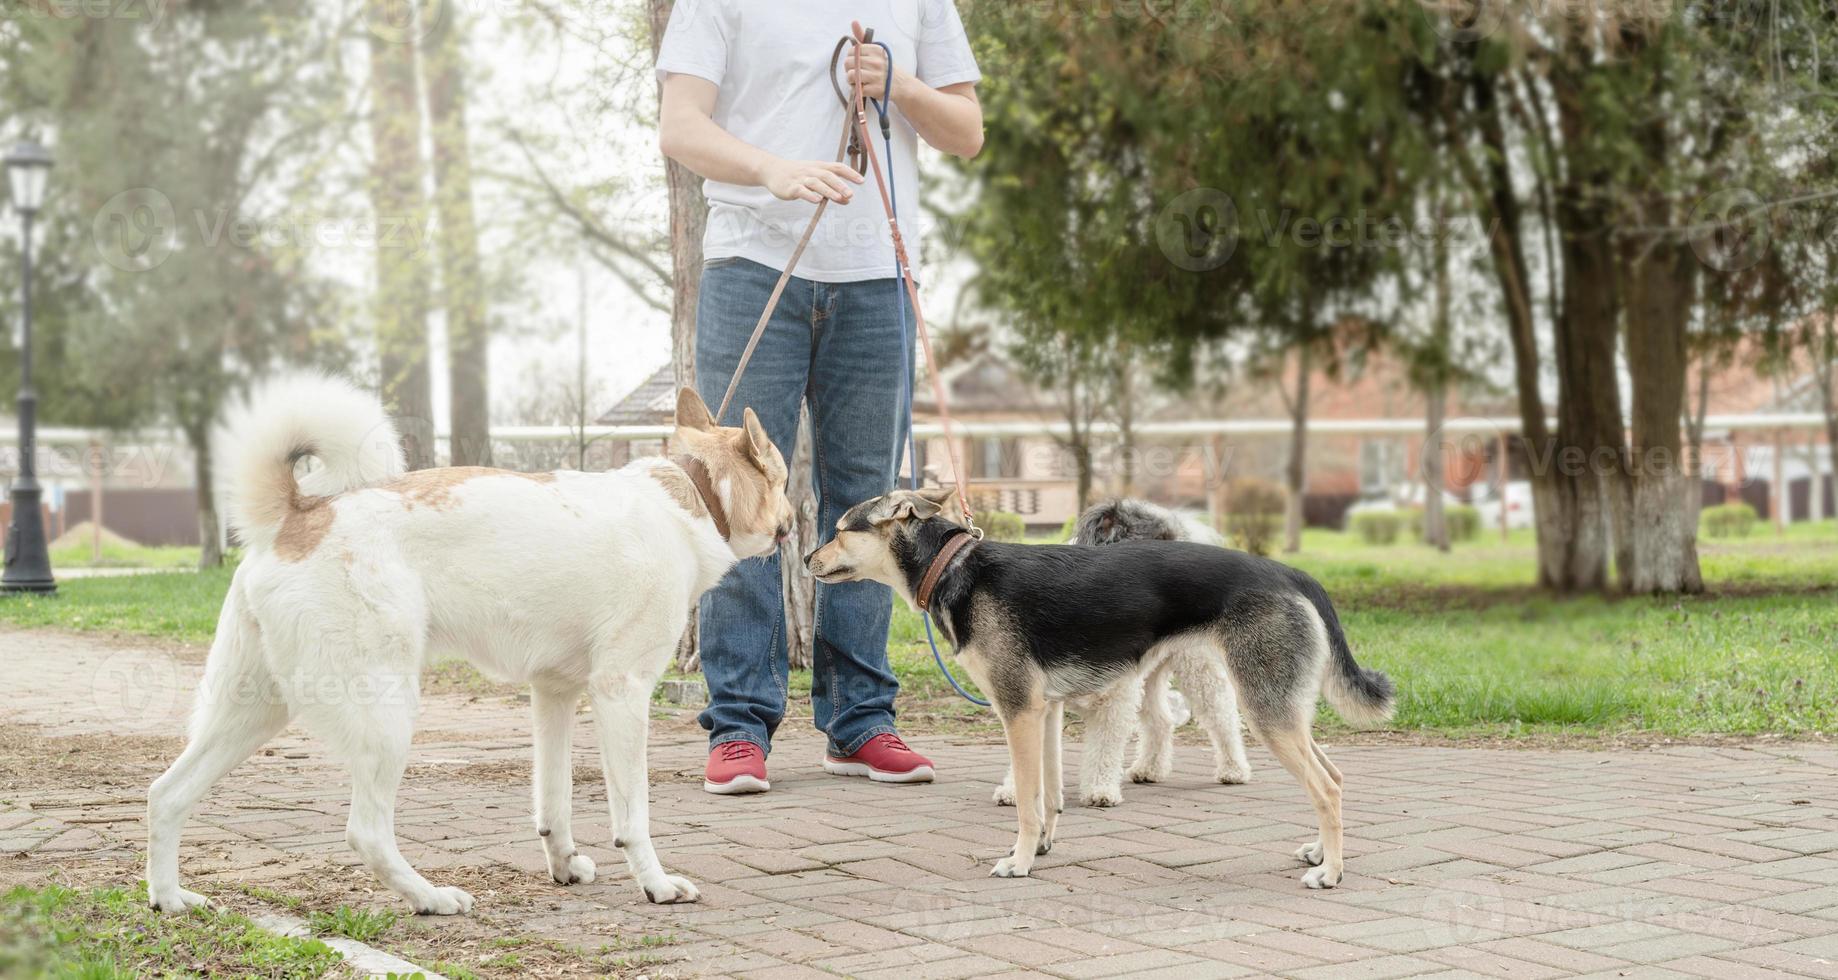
1681,861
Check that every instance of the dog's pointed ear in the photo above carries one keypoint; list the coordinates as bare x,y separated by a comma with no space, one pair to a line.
753,439
948,502
903,505
692,412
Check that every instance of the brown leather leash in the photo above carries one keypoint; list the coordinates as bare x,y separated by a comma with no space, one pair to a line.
856,144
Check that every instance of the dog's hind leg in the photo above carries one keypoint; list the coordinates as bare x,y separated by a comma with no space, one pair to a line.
1052,774
238,709
1215,705
1295,749
1110,716
1155,736
552,777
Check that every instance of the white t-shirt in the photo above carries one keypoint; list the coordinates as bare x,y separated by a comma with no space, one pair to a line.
771,61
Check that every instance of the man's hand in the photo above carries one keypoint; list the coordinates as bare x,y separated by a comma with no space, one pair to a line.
868,62
809,180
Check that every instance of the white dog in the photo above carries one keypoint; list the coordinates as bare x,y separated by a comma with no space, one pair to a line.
1142,707
570,582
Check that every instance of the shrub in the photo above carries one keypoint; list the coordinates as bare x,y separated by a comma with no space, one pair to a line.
1729,520
1462,521
1000,525
1068,529
1254,513
1377,526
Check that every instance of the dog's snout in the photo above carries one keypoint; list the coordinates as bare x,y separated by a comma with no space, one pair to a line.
808,556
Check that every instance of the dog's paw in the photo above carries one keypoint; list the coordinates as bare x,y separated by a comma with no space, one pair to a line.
1004,795
177,900
1310,853
1103,796
1008,867
1233,775
1321,877
577,869
1148,774
446,900
673,891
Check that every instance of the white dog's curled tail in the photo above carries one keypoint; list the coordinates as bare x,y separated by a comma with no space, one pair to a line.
263,438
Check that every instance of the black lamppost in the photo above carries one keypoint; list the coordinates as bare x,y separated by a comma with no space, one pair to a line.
28,562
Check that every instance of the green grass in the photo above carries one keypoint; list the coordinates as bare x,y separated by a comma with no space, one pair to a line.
177,606
362,925
110,933
118,555
1474,648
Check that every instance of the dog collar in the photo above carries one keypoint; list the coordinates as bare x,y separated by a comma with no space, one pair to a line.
697,472
954,544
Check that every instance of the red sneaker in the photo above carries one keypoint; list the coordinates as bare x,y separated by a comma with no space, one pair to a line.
884,759
736,767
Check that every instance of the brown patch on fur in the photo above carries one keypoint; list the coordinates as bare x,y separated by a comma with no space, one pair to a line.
306,524
434,488
309,519
681,489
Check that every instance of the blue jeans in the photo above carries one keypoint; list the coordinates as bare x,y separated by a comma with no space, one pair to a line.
840,345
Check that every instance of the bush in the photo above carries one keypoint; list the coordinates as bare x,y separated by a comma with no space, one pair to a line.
1463,522
1068,529
1000,525
1728,520
1254,513
1377,526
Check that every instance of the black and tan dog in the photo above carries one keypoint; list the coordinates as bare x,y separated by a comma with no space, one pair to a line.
1037,624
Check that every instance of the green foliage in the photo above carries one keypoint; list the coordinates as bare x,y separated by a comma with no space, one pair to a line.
1254,513
1463,523
1003,526
1732,520
1377,526
362,925
112,933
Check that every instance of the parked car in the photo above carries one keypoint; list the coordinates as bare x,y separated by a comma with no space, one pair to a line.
1517,499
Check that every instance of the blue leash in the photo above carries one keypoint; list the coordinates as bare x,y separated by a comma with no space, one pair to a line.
881,108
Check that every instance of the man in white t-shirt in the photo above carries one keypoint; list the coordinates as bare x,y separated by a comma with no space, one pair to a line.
748,104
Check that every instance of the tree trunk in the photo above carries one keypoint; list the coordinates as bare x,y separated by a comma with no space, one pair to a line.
1298,454
1126,420
688,218
1501,213
1662,545
463,292
1436,395
799,587
398,199
210,530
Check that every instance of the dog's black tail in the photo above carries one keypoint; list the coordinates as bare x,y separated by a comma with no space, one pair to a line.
1362,696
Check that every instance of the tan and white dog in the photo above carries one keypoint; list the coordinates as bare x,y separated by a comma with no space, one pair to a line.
570,582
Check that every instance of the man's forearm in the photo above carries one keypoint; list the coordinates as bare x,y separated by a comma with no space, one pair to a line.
695,141
949,119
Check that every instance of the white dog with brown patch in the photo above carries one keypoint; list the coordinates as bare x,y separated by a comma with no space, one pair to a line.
571,582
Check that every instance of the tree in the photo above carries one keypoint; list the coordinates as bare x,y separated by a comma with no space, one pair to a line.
461,278
207,293
397,172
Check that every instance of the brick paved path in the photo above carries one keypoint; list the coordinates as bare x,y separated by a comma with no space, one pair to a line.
1689,861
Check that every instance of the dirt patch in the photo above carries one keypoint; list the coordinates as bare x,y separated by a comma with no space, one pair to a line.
108,765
